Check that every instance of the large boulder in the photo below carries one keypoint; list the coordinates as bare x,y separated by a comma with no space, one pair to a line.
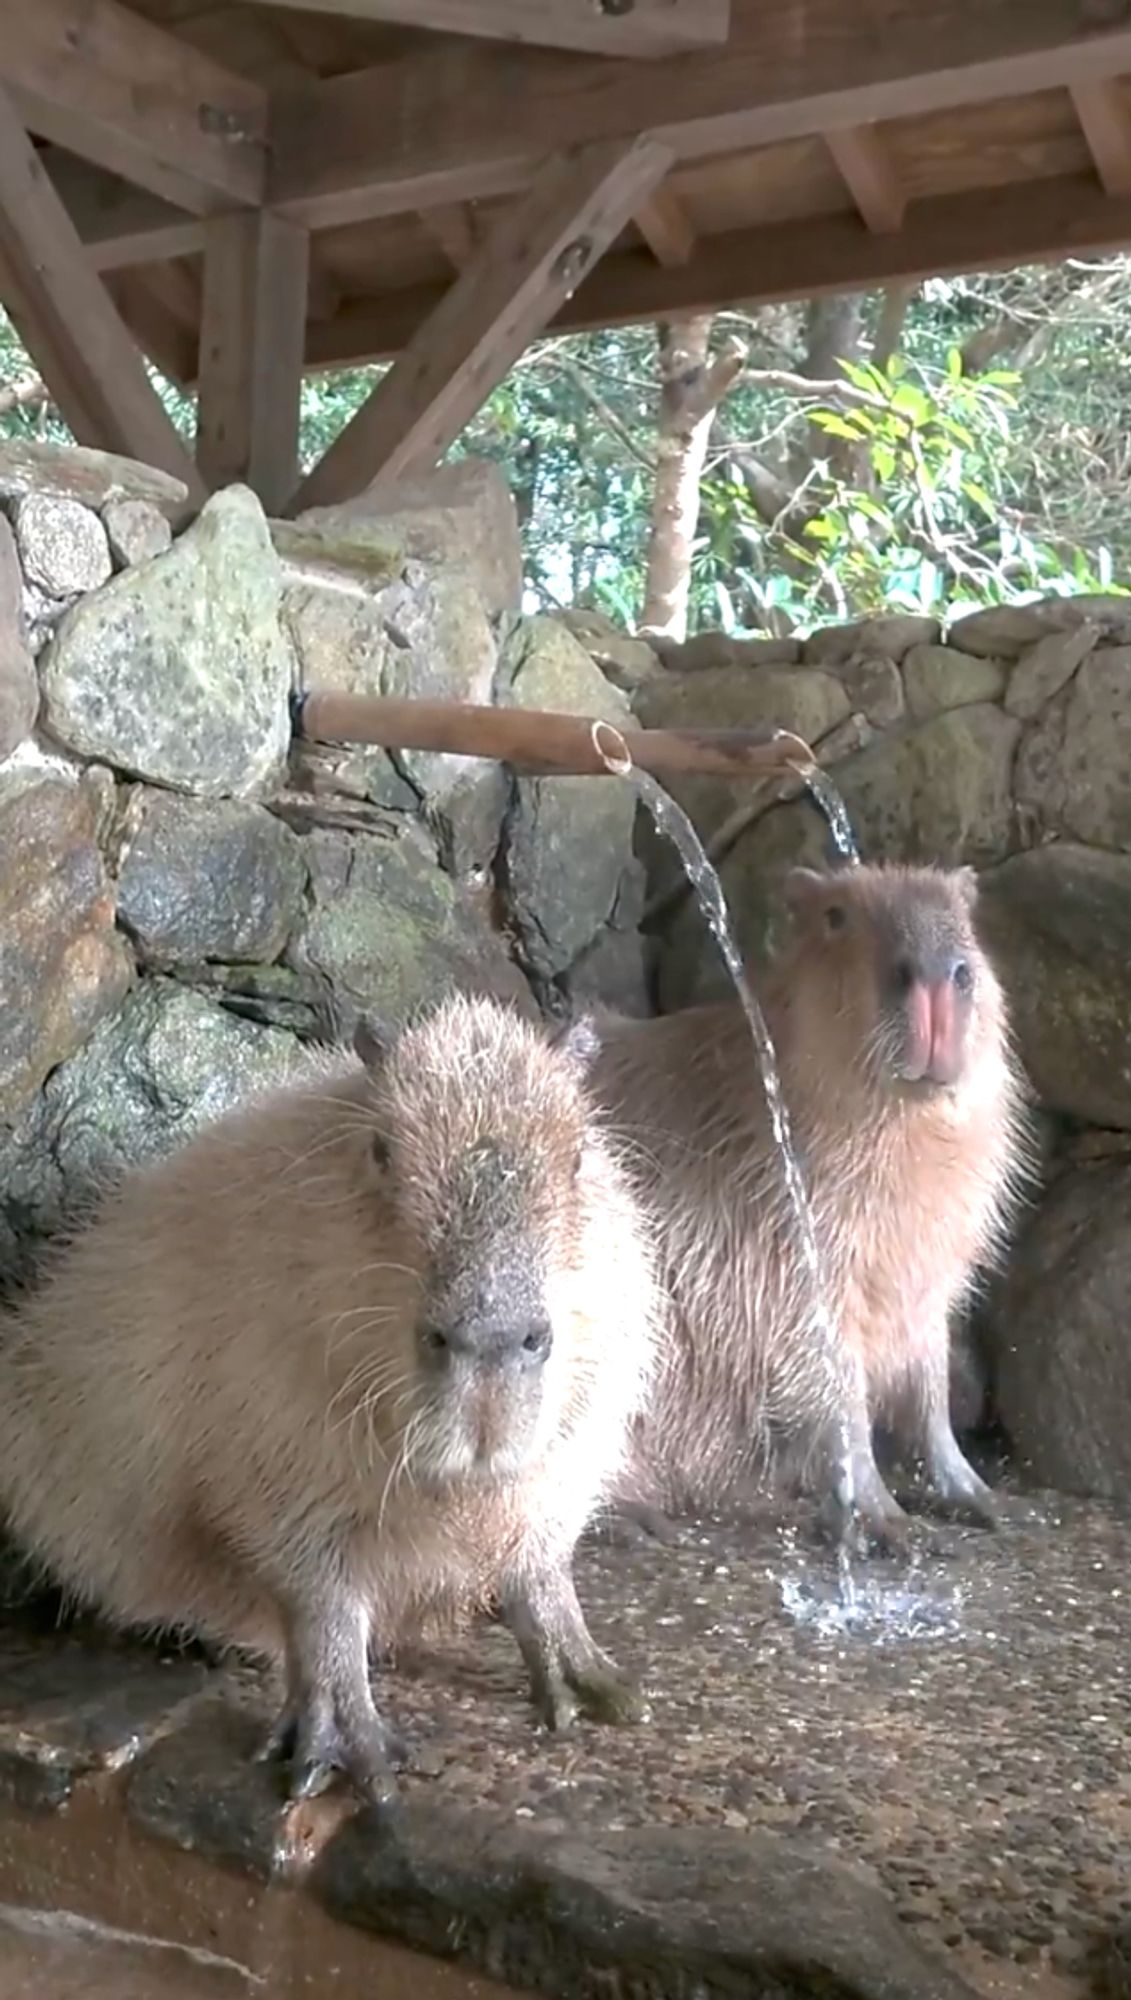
19,688
940,677
1060,1354
79,473
1058,923
389,930
421,634
180,671
163,1067
1072,767
568,840
459,517
62,966
215,879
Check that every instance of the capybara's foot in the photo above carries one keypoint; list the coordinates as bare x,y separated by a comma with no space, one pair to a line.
600,1692
326,1738
956,1489
569,1674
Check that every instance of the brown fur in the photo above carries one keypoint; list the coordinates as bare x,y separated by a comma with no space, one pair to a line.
912,1185
217,1415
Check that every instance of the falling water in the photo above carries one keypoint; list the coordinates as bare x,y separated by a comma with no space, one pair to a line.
670,819
829,803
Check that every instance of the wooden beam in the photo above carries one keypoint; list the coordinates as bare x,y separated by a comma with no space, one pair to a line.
453,226
1025,223
120,225
665,225
252,328
534,257
162,334
102,81
600,27
1102,111
869,175
469,123
67,321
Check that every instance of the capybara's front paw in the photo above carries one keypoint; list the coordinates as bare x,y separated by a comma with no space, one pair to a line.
322,1740
599,1692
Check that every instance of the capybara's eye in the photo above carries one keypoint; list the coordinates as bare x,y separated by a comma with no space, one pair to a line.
962,975
836,916
379,1149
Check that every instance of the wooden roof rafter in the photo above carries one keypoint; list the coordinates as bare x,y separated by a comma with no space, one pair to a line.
600,27
354,195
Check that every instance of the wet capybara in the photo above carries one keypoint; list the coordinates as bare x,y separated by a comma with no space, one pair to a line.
907,1115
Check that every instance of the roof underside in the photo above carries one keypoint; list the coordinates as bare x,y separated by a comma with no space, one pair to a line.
828,144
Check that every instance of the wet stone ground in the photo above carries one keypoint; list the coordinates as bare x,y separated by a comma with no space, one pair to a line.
964,1729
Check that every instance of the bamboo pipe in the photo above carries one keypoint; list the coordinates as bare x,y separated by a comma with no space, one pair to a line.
539,742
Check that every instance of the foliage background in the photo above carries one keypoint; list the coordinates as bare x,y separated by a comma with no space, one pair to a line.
987,459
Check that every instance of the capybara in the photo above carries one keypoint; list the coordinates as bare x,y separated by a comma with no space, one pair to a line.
365,1349
907,1115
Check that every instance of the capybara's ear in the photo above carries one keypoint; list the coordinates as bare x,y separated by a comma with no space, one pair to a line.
372,1041
578,1041
801,885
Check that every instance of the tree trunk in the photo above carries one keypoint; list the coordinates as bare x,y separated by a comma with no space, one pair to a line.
691,389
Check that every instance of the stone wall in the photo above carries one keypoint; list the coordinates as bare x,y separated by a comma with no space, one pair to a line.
188,902
185,903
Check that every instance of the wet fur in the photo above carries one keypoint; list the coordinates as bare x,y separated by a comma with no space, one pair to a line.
211,1417
912,1191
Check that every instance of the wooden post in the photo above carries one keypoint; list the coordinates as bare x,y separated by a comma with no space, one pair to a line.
68,323
533,258
252,334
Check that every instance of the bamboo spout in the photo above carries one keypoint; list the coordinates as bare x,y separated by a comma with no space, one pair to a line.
538,742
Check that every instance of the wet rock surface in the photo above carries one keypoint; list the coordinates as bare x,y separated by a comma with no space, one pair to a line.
69,1709
961,1738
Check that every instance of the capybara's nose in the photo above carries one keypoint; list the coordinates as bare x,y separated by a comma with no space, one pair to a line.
493,1343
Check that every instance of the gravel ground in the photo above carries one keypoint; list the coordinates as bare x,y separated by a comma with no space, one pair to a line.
964,1728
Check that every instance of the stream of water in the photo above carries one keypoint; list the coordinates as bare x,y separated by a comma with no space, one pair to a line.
671,820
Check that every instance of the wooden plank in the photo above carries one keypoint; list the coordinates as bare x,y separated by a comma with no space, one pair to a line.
252,330
869,176
468,123
786,260
665,225
600,27
67,321
100,80
532,258
1102,110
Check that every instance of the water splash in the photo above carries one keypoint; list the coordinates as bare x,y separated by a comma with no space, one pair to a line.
879,1610
670,819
